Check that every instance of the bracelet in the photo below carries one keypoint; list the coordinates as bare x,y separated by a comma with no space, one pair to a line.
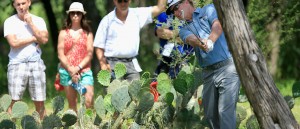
80,68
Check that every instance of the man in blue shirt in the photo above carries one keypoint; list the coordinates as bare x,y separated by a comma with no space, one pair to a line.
171,47
220,80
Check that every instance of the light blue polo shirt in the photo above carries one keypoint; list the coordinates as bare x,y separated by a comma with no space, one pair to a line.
202,20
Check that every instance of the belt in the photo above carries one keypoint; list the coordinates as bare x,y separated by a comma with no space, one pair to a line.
219,64
120,59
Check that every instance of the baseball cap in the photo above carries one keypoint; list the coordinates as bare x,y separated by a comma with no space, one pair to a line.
170,4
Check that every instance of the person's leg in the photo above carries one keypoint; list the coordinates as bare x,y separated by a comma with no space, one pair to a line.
89,97
87,81
71,95
37,86
210,99
228,83
17,82
40,108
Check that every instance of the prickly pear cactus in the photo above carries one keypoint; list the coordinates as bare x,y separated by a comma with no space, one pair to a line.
296,89
99,107
120,70
113,86
134,126
241,114
181,74
290,101
164,86
19,109
187,69
190,80
180,85
58,104
108,105
252,123
69,117
7,124
5,101
120,98
104,77
3,116
28,122
36,116
162,76
146,100
130,111
169,97
145,76
52,121
197,75
134,89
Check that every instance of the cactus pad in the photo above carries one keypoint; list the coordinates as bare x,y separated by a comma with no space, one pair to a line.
104,77
146,100
120,70
99,107
19,109
120,98
58,104
28,122
180,85
51,122
164,86
5,101
69,117
7,124
169,97
107,104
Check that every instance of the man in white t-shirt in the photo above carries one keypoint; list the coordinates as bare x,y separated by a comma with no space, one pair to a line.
25,33
117,38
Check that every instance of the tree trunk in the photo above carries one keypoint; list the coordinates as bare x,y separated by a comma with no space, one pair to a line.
268,104
52,23
274,39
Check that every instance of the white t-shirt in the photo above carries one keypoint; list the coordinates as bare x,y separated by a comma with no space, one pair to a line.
14,26
120,39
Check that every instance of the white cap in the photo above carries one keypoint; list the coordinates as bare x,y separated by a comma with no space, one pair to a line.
170,4
76,6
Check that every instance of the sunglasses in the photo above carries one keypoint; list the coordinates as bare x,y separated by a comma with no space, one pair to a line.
120,1
75,12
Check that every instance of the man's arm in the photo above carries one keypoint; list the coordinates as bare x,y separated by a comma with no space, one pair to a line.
216,31
14,42
40,35
159,8
101,58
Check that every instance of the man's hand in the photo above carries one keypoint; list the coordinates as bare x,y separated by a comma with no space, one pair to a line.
207,45
105,67
28,19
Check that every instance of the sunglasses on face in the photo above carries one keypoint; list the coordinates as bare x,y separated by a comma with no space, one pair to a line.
120,1
75,12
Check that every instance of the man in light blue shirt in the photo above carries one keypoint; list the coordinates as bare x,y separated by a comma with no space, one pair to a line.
220,80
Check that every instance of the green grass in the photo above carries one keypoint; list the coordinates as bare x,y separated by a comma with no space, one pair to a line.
285,88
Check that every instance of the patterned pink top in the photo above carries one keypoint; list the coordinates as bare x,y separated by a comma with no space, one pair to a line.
76,49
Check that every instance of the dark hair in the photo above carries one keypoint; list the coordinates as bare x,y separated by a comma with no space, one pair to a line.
84,23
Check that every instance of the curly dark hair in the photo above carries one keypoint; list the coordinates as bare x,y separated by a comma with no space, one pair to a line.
84,23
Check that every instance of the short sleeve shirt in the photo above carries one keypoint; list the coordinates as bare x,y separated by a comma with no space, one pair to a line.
203,18
14,26
120,39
